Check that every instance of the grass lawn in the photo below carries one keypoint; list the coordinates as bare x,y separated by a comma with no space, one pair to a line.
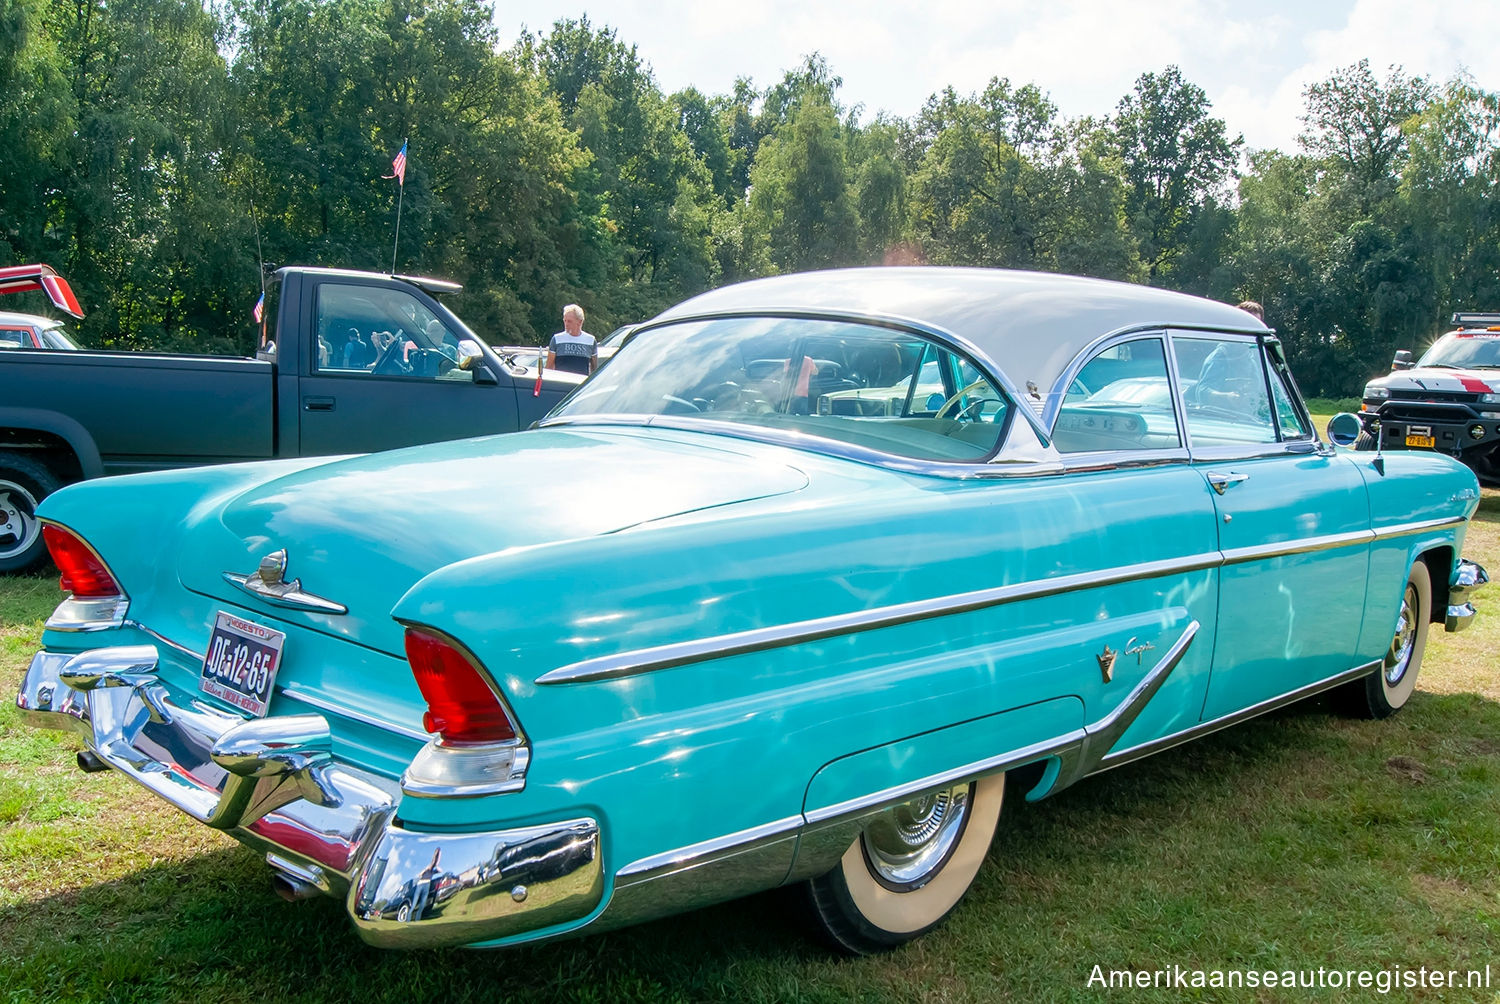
1297,841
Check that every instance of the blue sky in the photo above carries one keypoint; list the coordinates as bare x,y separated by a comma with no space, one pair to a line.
1253,59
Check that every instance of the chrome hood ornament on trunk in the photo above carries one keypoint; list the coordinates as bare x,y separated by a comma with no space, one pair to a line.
268,582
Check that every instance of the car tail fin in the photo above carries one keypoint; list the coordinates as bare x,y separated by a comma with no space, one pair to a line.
20,278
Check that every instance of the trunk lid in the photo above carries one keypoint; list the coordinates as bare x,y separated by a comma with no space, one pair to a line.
361,532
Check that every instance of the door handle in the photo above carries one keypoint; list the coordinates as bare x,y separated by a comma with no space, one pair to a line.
317,404
1221,483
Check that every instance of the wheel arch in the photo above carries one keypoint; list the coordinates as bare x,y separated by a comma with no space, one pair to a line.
68,448
1439,561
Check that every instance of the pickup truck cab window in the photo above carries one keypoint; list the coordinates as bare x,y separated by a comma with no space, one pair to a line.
890,391
365,331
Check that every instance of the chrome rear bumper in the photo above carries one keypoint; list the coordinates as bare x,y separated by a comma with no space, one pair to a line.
1468,577
273,783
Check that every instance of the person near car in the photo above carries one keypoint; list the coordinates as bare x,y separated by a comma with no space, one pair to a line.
357,352
572,349
1251,307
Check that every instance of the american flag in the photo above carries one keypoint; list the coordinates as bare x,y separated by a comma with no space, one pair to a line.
259,312
398,166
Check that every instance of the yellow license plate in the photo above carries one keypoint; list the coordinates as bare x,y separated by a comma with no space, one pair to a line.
1427,441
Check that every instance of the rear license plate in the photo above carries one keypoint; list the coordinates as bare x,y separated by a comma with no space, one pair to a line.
1427,441
241,663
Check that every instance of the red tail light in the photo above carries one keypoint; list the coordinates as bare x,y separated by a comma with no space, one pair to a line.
83,573
461,705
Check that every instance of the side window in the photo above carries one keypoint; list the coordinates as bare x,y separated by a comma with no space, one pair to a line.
15,338
1224,391
367,331
1287,419
1120,400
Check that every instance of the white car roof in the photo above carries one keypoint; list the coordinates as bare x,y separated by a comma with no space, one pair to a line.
1030,325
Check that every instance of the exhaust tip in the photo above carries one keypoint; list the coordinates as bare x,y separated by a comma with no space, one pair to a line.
292,889
89,762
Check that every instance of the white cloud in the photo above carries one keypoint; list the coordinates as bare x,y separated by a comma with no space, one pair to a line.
1086,54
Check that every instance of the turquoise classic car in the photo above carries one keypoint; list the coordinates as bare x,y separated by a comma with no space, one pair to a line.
798,590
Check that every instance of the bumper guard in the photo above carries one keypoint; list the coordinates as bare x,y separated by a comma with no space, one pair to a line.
273,783
1468,577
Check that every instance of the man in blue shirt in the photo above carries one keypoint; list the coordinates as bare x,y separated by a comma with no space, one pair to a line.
572,349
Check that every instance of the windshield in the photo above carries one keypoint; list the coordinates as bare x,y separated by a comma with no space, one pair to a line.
1470,352
890,391
57,337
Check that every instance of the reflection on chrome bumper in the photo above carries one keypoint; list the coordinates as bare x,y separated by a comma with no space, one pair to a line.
273,784
1468,577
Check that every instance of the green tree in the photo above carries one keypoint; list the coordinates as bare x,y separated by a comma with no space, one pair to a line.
800,206
1175,160
1355,122
37,120
649,186
150,227
1003,183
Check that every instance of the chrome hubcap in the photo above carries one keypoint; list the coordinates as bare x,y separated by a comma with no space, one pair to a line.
1399,657
18,522
908,843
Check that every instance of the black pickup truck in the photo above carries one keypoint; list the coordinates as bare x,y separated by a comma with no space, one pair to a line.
355,362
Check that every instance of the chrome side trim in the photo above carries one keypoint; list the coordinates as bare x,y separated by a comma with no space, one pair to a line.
1081,750
645,660
865,804
343,711
1234,718
648,660
707,850
1306,545
1406,529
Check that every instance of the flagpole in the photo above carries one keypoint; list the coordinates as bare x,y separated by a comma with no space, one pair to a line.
400,196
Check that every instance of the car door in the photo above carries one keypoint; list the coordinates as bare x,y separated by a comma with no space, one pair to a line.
380,372
1129,470
1293,523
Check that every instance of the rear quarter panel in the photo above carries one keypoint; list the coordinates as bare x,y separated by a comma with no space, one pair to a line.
685,754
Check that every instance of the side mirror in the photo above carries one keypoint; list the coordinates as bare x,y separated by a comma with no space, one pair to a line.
1402,361
484,375
469,353
1344,429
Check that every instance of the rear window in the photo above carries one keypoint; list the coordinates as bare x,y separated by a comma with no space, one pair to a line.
890,391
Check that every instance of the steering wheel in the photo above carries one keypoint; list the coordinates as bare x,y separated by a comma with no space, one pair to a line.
683,405
956,398
389,361
728,392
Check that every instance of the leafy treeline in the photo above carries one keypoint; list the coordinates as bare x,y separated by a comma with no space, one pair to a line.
155,150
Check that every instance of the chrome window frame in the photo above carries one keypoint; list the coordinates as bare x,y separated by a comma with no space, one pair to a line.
1244,451
1099,460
